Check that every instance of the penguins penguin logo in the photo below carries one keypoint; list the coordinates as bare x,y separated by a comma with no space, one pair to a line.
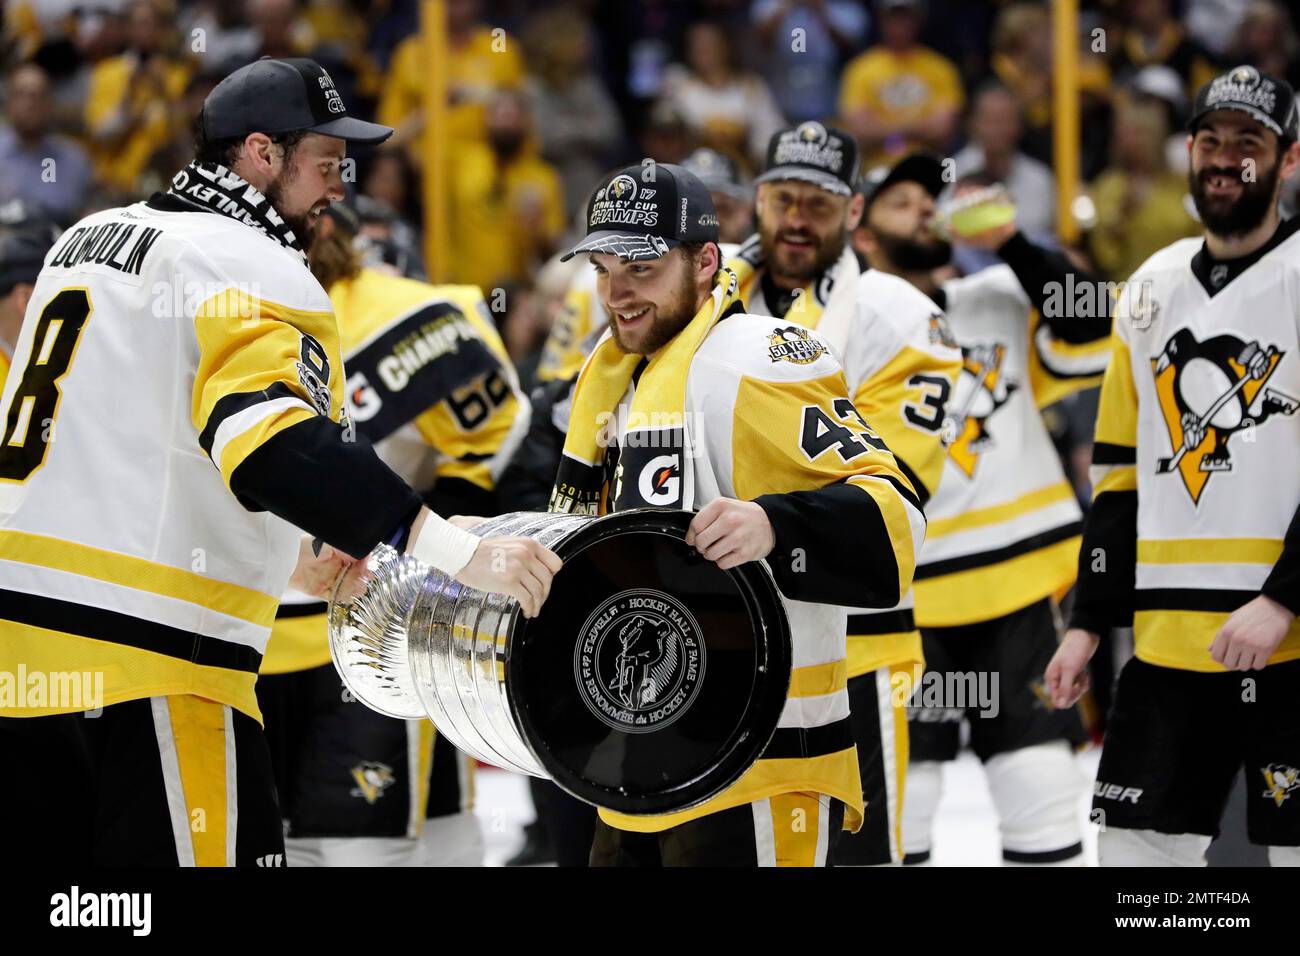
1208,391
981,391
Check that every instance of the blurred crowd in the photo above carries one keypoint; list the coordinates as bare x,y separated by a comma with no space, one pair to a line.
543,96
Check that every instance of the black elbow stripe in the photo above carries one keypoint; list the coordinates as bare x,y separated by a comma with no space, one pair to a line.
1104,453
236,403
922,496
337,490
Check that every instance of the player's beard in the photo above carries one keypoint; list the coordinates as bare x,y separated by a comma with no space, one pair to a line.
911,254
298,222
670,317
827,252
1234,217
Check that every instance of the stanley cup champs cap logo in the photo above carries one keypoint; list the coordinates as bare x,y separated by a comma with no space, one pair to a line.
1269,100
617,204
1243,85
812,152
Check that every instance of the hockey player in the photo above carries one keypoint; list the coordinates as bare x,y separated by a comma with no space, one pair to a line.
900,371
1194,533
174,408
583,320
431,386
1005,520
770,449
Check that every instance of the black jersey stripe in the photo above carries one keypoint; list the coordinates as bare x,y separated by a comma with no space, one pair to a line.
233,404
114,627
790,743
968,562
310,609
1191,599
1104,453
886,622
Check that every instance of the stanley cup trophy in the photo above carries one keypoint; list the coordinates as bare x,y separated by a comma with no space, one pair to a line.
649,682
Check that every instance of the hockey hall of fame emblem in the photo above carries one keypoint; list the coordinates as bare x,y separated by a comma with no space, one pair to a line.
639,660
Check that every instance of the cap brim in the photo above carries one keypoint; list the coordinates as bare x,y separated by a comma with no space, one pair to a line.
832,184
625,245
353,130
1253,112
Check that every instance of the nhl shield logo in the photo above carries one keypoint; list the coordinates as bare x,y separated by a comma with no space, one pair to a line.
1209,391
640,660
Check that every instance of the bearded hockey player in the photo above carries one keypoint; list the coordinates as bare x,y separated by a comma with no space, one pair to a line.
772,452
900,369
431,387
1194,534
174,409
1005,523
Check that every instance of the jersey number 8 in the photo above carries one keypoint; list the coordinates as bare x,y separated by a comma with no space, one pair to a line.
29,425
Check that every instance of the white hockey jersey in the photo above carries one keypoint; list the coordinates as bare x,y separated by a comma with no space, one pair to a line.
767,417
900,368
1196,471
159,351
1004,524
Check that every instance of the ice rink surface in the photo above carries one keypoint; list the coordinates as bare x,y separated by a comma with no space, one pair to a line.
966,827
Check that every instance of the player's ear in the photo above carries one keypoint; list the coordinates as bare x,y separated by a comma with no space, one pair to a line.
856,205
22,295
259,153
1290,160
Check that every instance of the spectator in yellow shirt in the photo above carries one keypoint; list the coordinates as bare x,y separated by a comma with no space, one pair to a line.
1141,203
130,103
899,96
482,60
507,205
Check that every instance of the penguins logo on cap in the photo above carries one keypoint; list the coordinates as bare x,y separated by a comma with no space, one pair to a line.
1208,391
622,188
1246,76
812,132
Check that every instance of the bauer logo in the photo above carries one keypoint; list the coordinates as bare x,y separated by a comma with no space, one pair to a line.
640,661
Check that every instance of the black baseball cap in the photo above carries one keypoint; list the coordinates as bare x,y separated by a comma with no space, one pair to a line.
282,96
22,256
923,168
822,155
718,173
646,211
1266,99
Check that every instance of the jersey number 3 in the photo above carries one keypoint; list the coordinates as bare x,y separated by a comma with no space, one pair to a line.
29,426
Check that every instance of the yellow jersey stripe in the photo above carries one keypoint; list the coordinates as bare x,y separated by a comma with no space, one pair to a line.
997,514
818,679
128,571
1210,550
1118,478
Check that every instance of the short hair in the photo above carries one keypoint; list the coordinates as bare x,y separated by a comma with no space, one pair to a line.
693,251
225,151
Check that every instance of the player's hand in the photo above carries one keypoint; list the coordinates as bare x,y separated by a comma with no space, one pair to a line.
1067,675
518,567
1251,634
466,522
317,574
730,532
